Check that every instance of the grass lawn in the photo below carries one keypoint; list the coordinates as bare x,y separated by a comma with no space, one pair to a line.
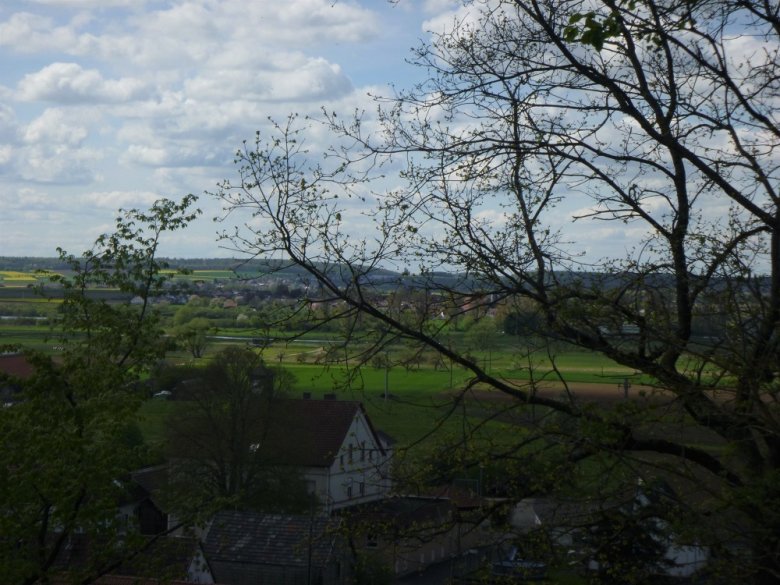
418,400
151,420
32,336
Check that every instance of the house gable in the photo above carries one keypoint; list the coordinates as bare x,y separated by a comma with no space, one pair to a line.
333,442
313,433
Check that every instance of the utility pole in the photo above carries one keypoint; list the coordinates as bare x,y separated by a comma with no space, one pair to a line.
625,384
387,372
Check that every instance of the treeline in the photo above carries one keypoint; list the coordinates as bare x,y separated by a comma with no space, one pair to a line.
239,265
31,263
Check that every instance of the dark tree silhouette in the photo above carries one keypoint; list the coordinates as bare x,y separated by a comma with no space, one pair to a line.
650,115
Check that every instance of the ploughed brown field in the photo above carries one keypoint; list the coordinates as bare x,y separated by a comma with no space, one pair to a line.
666,419
597,391
586,391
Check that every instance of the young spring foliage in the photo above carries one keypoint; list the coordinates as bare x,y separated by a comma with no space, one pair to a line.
67,443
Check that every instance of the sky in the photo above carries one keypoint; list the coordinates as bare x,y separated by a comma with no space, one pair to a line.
108,104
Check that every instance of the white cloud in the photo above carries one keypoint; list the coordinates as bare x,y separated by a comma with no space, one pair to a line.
132,97
438,6
302,22
114,200
192,31
147,155
26,32
88,3
8,123
55,127
6,154
45,164
446,15
289,77
26,198
71,84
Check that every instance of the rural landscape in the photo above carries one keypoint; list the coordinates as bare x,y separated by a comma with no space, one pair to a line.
517,320
206,310
481,462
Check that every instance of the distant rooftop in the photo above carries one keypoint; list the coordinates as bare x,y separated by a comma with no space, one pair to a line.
16,365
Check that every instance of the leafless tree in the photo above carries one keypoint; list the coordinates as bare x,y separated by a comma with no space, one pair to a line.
650,115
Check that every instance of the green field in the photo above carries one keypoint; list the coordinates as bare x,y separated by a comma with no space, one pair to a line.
211,275
418,399
17,279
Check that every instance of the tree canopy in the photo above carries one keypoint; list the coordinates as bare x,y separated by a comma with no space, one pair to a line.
65,454
653,116
217,439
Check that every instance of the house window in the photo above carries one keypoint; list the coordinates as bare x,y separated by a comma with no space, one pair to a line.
350,452
363,451
371,455
349,492
341,460
362,488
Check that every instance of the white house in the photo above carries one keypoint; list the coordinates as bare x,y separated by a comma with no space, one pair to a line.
343,459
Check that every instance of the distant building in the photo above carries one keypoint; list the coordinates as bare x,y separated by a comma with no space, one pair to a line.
406,534
15,368
567,524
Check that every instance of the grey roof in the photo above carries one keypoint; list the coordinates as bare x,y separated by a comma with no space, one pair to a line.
251,538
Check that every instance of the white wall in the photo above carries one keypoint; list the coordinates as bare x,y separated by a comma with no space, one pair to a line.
359,461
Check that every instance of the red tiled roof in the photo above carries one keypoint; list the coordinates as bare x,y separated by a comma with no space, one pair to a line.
309,433
16,365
